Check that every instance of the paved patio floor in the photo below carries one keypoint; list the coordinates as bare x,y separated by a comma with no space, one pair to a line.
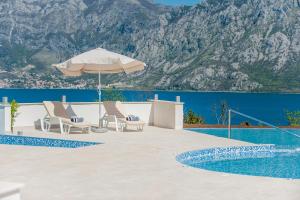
131,166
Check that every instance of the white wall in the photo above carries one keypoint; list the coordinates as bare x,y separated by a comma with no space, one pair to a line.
168,114
90,110
143,110
179,115
163,114
29,114
4,119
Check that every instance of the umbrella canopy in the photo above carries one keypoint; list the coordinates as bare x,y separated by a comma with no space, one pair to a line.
99,61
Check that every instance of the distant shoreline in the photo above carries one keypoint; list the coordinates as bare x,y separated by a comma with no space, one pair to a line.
148,90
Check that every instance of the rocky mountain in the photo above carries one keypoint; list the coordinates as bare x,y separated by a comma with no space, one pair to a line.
232,45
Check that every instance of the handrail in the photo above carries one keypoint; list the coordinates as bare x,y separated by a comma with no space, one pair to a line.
255,119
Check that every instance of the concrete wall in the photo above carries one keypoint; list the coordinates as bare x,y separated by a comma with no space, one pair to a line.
29,113
4,118
158,113
168,114
90,111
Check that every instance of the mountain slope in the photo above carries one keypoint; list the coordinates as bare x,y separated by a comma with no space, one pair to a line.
250,45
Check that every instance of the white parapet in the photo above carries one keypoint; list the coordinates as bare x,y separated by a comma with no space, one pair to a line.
10,191
164,114
5,118
168,114
30,113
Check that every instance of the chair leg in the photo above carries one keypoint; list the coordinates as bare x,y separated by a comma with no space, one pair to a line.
117,125
65,129
141,128
42,124
105,123
61,126
69,129
124,127
47,126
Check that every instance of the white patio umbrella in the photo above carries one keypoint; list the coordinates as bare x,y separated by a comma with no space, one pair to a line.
99,61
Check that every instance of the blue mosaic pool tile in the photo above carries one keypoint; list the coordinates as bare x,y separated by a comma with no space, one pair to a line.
228,153
264,160
43,142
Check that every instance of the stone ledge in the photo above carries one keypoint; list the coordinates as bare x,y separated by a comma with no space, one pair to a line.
10,191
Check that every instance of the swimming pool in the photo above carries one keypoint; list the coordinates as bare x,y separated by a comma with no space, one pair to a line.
280,158
43,142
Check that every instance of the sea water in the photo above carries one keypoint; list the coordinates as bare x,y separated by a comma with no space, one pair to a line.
270,107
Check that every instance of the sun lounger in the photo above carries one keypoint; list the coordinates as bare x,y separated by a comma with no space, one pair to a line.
57,114
115,112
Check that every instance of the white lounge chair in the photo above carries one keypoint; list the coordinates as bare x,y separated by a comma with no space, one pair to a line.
115,112
57,114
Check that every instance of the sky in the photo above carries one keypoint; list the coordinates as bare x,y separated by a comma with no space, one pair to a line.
178,2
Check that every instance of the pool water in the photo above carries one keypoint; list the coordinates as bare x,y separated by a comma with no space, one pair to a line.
282,160
43,142
258,135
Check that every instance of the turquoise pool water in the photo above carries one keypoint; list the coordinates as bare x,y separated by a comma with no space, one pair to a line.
280,158
258,135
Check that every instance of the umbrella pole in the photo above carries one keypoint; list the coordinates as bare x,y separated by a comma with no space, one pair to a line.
99,96
99,129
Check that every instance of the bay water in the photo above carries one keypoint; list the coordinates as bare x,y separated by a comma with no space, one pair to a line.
270,107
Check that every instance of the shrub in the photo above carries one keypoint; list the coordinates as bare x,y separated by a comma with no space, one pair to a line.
13,114
293,117
221,112
192,118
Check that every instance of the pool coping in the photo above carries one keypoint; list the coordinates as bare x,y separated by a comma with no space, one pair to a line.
10,190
